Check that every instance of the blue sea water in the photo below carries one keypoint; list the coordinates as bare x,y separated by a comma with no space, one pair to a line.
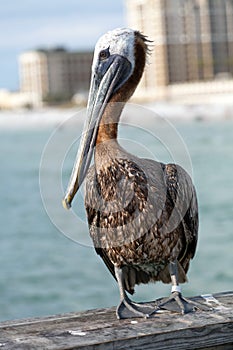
44,272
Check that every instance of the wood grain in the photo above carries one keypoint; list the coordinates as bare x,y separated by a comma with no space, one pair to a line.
99,329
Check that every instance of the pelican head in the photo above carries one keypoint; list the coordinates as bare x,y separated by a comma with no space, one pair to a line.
118,63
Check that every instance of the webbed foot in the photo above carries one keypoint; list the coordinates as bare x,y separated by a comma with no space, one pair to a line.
177,303
129,309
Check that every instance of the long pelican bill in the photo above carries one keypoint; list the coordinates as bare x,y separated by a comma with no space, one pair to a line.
109,76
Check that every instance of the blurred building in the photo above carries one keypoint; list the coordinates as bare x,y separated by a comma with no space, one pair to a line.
192,42
55,75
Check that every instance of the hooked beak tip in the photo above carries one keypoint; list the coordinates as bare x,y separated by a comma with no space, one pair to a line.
66,202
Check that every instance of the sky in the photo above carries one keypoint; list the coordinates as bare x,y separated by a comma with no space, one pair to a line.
28,24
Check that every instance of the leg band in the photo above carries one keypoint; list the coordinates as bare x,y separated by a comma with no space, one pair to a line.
176,289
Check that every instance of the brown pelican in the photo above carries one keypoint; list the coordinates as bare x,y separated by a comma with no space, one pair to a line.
142,214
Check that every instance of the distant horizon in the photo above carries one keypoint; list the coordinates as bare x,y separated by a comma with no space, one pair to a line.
74,26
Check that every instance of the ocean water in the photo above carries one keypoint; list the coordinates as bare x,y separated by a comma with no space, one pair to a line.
47,266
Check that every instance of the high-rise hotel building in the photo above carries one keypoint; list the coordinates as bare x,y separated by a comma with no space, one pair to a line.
192,40
55,74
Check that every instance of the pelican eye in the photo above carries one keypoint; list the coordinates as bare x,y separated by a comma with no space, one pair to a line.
104,54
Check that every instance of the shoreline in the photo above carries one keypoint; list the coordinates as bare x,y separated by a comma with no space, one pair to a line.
171,110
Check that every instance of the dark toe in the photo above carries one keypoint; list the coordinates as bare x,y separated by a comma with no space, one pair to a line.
128,309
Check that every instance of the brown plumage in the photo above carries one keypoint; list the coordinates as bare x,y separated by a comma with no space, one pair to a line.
142,214
132,231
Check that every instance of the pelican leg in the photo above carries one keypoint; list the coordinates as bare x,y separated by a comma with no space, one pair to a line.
176,302
127,308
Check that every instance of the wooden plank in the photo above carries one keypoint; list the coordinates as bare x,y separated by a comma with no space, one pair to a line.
99,329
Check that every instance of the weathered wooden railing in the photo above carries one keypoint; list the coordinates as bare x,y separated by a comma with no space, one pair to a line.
99,329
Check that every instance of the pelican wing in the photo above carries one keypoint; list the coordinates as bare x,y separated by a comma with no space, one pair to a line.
182,193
